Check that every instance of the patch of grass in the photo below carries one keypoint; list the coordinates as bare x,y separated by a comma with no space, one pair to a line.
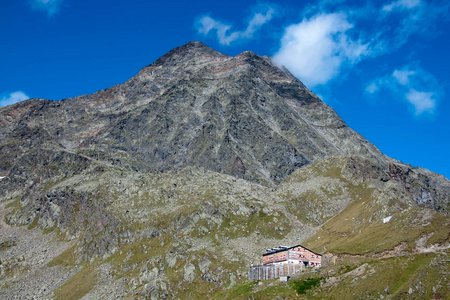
345,268
332,192
49,230
219,268
392,278
351,231
78,285
127,260
66,258
50,184
14,204
319,203
34,224
440,229
331,168
302,286
270,289
7,244
166,220
241,289
235,226
276,291
333,172
313,207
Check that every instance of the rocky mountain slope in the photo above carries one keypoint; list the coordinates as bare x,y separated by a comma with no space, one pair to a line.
171,184
193,107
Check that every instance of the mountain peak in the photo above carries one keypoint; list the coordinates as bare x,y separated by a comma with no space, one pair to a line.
188,51
242,116
195,45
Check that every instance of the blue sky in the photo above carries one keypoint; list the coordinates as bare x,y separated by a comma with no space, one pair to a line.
382,65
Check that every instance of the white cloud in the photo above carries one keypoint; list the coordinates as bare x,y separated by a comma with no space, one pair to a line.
223,31
422,101
414,85
400,20
12,98
403,76
401,5
372,87
51,7
316,49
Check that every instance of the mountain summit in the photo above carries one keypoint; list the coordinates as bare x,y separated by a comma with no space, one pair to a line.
171,184
194,106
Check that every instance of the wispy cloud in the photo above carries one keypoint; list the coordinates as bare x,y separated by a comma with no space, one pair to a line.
332,35
401,5
414,85
316,49
51,7
11,98
400,20
422,101
224,33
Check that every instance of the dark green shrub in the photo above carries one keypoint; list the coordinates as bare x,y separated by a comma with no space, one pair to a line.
301,286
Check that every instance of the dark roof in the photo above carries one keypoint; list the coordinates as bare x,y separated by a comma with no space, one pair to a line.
281,250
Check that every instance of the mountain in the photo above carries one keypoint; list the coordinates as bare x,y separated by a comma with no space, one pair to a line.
170,184
240,116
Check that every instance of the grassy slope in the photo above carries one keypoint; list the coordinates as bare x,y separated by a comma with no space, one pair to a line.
419,276
358,233
78,285
198,216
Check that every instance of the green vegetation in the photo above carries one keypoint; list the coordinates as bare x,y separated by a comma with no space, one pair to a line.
351,232
359,229
426,274
220,268
78,285
242,289
4,245
324,196
277,290
312,206
301,286
14,204
52,183
271,289
179,221
234,226
49,230
344,268
66,258
127,260
392,277
34,224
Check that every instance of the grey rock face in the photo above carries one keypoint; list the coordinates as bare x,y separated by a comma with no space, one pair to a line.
189,272
239,115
